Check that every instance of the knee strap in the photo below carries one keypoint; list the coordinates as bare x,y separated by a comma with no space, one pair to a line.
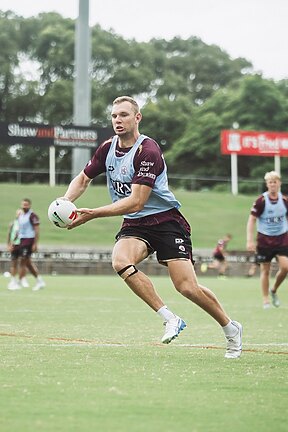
127,271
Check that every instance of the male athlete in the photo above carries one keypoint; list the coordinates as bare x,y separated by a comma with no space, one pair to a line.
13,247
29,236
219,256
270,211
137,181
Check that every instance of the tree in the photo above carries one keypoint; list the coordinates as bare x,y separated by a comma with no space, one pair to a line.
189,90
191,67
166,119
253,102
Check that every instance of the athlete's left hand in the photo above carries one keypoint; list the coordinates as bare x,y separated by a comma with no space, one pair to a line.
83,216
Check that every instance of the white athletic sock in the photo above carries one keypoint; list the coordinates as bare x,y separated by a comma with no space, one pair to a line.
165,313
230,329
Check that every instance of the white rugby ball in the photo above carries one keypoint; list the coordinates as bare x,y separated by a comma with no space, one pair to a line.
62,213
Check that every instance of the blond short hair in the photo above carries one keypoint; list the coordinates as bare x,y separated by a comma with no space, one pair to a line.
272,175
129,99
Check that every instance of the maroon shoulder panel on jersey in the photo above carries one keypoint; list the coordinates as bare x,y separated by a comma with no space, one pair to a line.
258,206
34,219
96,165
148,163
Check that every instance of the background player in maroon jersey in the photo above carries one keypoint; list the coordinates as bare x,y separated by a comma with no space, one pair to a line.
219,255
270,212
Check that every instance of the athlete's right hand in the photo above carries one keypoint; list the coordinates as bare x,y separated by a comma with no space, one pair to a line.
251,247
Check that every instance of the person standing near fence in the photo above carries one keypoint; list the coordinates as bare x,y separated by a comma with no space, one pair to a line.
138,184
29,236
13,245
270,212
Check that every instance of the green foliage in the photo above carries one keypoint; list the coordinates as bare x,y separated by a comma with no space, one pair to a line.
192,67
53,46
166,118
9,41
53,107
190,90
261,105
159,68
197,151
252,102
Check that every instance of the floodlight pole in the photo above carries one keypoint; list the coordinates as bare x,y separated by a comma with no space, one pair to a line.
52,173
277,164
234,174
82,85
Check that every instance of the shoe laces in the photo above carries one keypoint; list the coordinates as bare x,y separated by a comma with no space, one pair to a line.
172,323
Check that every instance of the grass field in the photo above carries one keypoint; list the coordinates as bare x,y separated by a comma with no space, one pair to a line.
210,214
84,355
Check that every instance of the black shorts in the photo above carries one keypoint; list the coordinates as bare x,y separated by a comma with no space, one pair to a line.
15,253
264,255
25,251
219,257
169,240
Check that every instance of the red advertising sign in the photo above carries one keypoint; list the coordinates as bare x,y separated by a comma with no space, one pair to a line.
252,143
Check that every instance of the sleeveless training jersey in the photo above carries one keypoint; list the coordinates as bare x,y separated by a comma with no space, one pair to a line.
120,171
146,166
273,220
26,225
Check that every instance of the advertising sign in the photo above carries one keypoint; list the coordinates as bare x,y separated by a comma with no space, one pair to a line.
252,143
61,136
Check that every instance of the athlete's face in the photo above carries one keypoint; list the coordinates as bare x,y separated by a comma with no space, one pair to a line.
273,185
25,206
125,120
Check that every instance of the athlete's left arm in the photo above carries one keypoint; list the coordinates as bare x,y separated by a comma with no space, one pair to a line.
133,203
34,220
36,238
285,200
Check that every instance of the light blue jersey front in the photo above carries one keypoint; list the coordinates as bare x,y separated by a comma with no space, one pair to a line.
26,229
273,220
120,171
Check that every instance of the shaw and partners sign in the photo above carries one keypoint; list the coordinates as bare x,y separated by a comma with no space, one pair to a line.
62,136
251,143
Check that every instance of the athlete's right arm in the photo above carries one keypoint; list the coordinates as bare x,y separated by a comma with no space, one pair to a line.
250,233
9,243
77,186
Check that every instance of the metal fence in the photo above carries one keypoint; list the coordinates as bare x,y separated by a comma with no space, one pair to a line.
32,175
187,182
89,261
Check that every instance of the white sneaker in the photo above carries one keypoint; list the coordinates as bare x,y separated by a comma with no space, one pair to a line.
24,283
172,329
39,285
234,344
13,286
274,298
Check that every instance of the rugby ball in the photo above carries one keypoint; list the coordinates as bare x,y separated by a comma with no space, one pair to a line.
62,213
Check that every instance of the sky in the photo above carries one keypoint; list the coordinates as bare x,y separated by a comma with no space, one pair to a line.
254,29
